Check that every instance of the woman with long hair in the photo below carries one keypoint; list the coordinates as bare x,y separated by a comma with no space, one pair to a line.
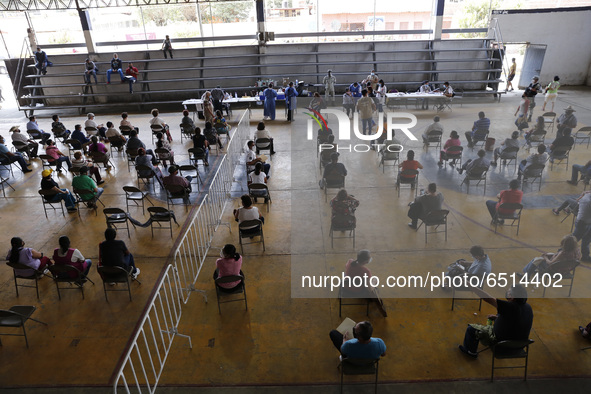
27,256
229,264
537,130
568,251
161,143
65,255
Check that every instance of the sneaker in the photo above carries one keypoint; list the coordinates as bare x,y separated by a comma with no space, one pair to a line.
46,271
493,163
555,211
112,283
413,226
501,221
72,210
135,273
440,163
100,182
467,352
574,183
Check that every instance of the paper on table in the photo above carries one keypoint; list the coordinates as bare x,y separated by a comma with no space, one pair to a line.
347,326
263,158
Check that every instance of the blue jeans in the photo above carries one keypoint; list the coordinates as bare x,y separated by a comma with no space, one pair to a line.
63,159
87,76
109,71
67,198
131,81
585,172
366,124
18,158
531,268
470,339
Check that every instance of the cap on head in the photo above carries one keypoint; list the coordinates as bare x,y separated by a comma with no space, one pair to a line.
569,109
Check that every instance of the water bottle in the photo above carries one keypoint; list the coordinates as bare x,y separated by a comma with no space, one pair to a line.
235,95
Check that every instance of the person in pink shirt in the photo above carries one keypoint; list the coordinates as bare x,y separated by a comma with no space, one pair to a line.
229,264
96,146
58,156
454,140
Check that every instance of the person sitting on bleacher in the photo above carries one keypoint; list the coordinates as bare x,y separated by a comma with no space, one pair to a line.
131,75
536,158
116,67
159,121
34,130
479,129
187,121
79,136
481,162
90,69
127,123
41,61
134,143
59,129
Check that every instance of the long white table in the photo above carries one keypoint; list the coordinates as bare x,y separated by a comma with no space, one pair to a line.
437,97
198,103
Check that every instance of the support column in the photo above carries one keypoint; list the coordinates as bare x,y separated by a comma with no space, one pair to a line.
261,29
438,20
87,29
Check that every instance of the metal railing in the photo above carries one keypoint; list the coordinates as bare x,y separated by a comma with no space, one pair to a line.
498,39
145,358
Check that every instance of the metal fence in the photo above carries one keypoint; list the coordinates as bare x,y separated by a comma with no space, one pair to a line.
145,358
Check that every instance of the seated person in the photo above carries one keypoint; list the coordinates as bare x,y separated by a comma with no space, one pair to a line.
35,132
114,253
79,136
161,143
159,121
258,176
434,129
174,179
568,251
535,158
513,321
566,141
333,169
532,135
479,130
454,140
512,142
7,157
79,162
115,137
32,146
409,164
362,346
423,205
479,267
585,331
327,149
91,123
357,268
323,134
200,142
134,144
229,264
247,212
58,128
57,156
478,165
144,159
584,170
27,256
99,147
212,137
187,121
64,255
343,209
60,194
263,133
512,195
125,122
220,124
252,159
84,182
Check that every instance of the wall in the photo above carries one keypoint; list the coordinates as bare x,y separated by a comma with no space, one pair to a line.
567,32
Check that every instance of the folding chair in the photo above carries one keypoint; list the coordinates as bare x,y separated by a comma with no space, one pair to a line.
159,215
567,270
333,181
480,140
515,216
434,219
477,174
36,275
385,156
584,133
464,290
116,144
91,131
149,175
134,194
16,317
255,190
353,298
131,155
531,173
407,177
63,273
45,196
115,274
6,163
22,148
175,192
240,289
513,349
48,162
156,128
193,171
2,182
73,146
454,156
125,130
163,155
101,158
549,120
250,229
558,156
79,192
187,132
536,138
433,139
509,155
115,216
263,144
338,224
359,366
196,154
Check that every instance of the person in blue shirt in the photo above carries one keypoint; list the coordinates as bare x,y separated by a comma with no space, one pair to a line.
291,97
116,67
7,157
355,89
41,61
35,131
79,136
480,266
269,108
479,129
362,346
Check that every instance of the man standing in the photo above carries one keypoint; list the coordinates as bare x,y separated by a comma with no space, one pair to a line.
32,146
116,67
479,130
217,96
329,81
7,157
269,106
362,346
512,195
531,91
511,75
566,121
131,74
41,61
513,320
366,108
34,130
291,101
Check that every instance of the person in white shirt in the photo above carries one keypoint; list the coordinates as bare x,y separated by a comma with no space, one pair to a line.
258,176
329,81
252,160
425,88
32,146
381,95
101,129
263,133
247,212
433,127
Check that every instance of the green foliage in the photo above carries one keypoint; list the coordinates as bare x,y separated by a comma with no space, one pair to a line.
163,15
225,12
476,15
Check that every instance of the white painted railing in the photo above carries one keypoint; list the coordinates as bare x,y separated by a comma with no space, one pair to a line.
146,356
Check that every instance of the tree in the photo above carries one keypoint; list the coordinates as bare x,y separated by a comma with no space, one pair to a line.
225,12
162,15
476,15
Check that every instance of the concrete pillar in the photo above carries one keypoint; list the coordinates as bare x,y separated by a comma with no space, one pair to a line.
87,29
260,8
438,20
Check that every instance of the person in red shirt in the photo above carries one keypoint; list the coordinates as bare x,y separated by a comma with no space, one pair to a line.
513,195
410,164
357,287
131,74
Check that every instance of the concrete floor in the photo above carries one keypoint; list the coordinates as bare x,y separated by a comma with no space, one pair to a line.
283,338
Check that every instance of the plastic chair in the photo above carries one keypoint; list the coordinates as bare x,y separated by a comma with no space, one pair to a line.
240,289
159,216
250,229
515,216
16,317
134,194
45,195
63,273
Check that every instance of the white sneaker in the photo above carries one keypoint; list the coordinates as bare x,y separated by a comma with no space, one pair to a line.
135,274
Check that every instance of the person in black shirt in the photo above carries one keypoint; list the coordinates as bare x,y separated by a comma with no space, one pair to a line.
47,183
116,67
513,320
114,253
200,142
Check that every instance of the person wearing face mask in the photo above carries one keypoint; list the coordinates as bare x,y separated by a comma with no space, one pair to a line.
229,264
329,81
531,91
360,288
371,80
